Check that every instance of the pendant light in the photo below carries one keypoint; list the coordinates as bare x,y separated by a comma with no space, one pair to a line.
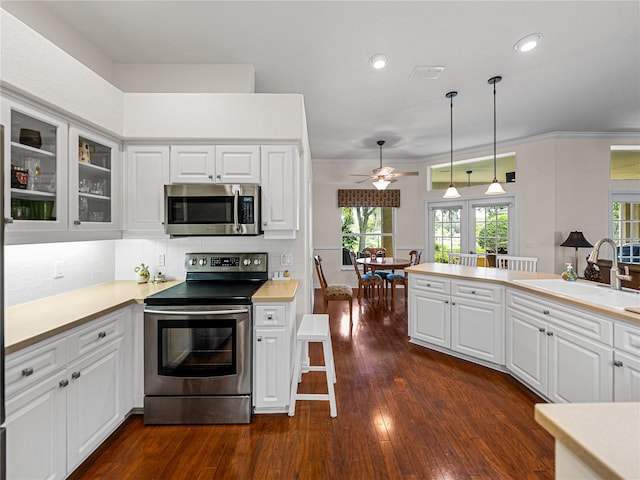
495,188
452,191
381,183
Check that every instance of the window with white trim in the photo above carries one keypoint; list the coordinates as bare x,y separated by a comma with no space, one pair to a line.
366,227
471,226
625,225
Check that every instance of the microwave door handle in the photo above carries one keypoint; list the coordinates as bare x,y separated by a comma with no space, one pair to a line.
236,201
198,312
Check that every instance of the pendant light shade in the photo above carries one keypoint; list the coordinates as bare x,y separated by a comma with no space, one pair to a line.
495,188
452,191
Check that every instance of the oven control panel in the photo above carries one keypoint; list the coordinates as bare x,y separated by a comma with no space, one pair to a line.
225,262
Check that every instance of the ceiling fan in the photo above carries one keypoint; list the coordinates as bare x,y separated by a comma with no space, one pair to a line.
383,175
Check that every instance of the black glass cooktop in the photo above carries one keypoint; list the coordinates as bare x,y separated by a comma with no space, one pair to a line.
206,293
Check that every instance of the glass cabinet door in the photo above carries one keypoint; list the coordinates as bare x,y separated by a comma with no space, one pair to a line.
35,169
94,163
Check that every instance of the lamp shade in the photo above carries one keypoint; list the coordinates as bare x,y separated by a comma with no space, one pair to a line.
577,240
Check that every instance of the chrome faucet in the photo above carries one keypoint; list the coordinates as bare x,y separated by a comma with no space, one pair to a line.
615,278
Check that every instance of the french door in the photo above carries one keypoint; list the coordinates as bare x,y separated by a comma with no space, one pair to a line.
482,225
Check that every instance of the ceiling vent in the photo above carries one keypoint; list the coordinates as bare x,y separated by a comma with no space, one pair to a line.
425,72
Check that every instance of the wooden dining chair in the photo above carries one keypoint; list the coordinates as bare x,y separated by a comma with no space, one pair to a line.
466,259
395,279
367,280
333,293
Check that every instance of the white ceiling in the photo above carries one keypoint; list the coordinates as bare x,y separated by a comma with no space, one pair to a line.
583,77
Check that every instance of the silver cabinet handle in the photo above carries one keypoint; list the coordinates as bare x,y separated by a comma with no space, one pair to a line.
63,383
428,284
550,334
618,363
102,334
27,372
473,292
75,375
211,177
219,176
453,303
259,339
270,316
77,222
541,329
446,301
545,312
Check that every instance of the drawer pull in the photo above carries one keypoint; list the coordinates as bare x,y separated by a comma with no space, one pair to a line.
618,363
541,329
545,312
270,316
446,301
453,303
75,375
259,339
63,383
473,292
428,284
550,334
27,372
102,334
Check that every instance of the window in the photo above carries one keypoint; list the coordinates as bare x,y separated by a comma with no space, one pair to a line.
366,227
625,162
471,226
625,225
475,171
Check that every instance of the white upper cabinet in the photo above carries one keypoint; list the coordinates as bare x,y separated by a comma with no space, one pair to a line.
35,169
280,211
147,171
94,175
215,164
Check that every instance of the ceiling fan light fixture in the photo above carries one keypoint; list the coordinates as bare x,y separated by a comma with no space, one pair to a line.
528,43
379,61
381,184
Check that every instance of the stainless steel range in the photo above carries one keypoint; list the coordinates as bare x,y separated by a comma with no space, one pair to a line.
197,342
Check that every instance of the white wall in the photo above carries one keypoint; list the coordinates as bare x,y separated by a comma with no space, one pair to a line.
562,184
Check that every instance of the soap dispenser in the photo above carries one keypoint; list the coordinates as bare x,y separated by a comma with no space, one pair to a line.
569,275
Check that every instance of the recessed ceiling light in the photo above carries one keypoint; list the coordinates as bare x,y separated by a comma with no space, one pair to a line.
379,61
528,43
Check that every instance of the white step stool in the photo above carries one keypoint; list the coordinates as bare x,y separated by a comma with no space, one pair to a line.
313,328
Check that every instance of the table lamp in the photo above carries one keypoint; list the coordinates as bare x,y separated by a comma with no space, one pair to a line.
576,240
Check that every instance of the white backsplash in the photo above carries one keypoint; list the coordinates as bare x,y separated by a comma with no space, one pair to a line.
131,253
29,269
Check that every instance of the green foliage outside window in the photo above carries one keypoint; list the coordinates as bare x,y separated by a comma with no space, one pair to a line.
366,227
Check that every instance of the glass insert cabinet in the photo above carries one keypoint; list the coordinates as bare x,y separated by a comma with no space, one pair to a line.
93,161
58,176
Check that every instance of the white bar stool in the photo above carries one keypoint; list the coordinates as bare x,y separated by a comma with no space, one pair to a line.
313,328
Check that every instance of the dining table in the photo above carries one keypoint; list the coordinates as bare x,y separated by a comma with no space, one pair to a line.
383,263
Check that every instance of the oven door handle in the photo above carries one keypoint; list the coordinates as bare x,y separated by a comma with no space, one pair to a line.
198,312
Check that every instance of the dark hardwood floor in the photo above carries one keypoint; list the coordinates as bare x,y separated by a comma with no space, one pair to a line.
404,412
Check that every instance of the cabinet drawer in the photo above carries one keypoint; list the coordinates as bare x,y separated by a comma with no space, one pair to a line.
429,284
96,334
479,291
270,316
25,368
627,338
576,320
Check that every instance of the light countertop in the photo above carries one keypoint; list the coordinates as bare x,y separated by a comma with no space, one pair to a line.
507,277
605,436
32,322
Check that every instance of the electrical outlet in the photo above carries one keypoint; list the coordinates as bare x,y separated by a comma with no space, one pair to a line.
161,259
58,269
285,259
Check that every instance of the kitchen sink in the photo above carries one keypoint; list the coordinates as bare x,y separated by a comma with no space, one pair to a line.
599,294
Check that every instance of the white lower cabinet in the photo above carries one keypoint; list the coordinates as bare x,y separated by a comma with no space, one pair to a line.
626,362
36,424
56,421
563,353
274,336
457,316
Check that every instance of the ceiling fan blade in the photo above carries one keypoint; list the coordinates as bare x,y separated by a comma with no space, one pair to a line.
365,180
360,175
404,174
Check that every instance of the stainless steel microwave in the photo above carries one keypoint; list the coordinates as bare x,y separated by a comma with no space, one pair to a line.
203,209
